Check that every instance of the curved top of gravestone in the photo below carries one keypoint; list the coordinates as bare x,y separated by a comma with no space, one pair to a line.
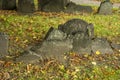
74,26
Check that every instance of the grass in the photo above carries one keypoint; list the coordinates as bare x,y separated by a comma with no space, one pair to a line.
26,30
113,1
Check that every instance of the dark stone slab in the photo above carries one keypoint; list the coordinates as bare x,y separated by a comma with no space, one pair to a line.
3,44
74,26
8,4
1,4
26,6
55,5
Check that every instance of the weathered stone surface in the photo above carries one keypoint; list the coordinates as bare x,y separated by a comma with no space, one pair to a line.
75,35
101,45
74,8
3,44
105,8
1,4
48,50
26,6
81,44
8,4
55,34
28,57
74,26
55,5
42,3
115,46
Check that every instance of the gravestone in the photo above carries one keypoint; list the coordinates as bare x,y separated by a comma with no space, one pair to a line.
8,4
105,8
72,8
75,35
26,6
42,3
55,45
101,45
81,33
3,44
53,5
1,4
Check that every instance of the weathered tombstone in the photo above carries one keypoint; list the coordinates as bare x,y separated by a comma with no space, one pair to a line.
52,5
55,46
1,4
3,44
81,33
72,8
105,8
8,4
74,26
42,3
26,6
101,45
75,35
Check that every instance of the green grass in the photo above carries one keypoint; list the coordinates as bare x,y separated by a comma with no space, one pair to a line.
114,1
25,30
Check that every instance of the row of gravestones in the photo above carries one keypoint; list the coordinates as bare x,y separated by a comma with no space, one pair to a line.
28,6
75,35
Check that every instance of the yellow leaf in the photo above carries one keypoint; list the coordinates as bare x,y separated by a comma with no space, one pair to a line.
98,52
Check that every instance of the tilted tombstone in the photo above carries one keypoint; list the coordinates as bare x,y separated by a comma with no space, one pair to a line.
105,8
26,6
8,4
53,5
3,44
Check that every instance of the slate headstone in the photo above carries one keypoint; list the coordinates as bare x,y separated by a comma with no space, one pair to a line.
3,44
26,6
105,8
8,4
53,5
1,4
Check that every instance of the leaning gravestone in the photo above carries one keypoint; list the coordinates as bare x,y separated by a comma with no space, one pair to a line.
8,4
3,44
105,8
75,35
26,6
